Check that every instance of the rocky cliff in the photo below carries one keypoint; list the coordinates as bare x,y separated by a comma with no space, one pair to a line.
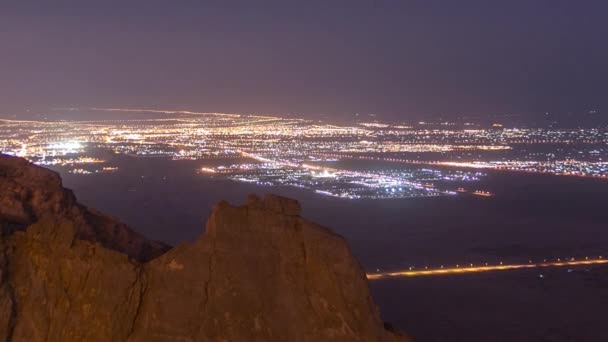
260,272
29,193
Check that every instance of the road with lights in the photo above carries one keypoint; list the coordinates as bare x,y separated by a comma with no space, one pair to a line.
411,272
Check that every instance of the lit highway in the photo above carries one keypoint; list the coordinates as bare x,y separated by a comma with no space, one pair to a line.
560,168
412,272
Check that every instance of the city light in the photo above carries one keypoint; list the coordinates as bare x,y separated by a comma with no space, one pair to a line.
420,159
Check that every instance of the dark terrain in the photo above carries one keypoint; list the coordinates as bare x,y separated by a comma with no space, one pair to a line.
260,272
532,217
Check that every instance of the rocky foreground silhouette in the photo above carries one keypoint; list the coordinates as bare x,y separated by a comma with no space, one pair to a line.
260,272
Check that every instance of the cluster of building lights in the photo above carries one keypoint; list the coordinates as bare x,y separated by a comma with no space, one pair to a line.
295,147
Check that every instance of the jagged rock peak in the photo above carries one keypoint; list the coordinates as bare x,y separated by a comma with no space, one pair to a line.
30,192
275,203
259,273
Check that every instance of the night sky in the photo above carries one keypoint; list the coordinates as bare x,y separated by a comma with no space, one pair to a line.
397,59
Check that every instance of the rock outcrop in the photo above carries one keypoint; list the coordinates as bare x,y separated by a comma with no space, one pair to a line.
29,193
259,273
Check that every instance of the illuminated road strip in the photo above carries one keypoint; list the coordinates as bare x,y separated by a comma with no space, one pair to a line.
484,166
232,115
477,269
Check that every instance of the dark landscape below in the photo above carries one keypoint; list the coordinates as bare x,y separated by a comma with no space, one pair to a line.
170,202
259,273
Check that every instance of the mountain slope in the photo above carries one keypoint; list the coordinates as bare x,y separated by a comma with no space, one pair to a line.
30,193
259,273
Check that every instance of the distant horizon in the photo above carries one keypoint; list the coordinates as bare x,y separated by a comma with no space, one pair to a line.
41,113
395,59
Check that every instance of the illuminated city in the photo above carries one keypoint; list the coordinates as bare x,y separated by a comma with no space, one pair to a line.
272,151
361,170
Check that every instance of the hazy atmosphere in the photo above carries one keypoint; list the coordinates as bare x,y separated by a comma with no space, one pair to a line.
371,171
400,59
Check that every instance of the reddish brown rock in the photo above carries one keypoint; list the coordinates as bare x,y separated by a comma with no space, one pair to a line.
30,192
259,273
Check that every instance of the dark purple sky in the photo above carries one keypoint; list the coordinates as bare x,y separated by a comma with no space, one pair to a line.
396,58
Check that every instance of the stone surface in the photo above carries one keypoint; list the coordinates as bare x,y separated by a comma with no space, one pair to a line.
29,193
259,273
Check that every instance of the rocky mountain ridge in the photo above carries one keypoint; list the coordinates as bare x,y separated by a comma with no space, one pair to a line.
260,272
29,193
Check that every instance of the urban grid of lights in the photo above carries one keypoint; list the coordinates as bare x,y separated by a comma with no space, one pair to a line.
268,150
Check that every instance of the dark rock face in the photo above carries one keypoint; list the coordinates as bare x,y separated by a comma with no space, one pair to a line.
30,193
259,273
